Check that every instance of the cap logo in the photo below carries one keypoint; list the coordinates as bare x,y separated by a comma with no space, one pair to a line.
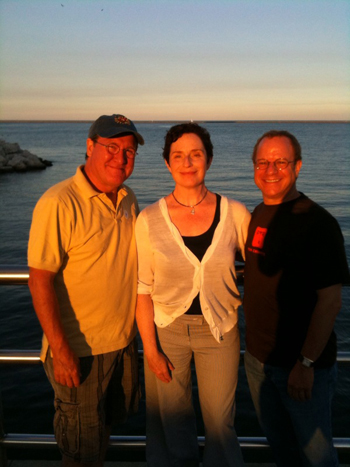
122,120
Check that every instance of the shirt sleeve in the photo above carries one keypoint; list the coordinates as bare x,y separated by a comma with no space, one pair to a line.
244,232
145,256
241,217
329,257
49,235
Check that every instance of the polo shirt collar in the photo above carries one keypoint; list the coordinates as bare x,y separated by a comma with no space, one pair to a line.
87,189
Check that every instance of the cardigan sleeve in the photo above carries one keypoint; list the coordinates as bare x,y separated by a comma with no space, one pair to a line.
241,220
145,256
244,232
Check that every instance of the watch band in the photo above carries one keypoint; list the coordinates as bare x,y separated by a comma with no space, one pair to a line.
306,361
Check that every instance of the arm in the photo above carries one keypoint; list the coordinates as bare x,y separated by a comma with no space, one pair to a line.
65,362
327,307
157,361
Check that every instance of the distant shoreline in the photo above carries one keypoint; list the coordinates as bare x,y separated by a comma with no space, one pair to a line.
181,121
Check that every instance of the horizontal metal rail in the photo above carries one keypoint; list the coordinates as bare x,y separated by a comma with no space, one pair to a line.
26,440
15,440
33,356
19,275
13,275
34,440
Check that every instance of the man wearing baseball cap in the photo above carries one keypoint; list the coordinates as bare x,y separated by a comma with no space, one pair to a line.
83,280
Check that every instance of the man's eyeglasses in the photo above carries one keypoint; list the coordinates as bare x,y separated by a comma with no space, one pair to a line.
280,164
115,149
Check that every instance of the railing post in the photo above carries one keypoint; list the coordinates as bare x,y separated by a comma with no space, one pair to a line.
3,456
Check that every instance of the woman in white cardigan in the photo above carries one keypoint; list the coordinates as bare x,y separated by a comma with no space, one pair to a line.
187,307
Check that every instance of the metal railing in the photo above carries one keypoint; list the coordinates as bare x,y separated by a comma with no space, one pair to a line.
24,440
18,276
13,275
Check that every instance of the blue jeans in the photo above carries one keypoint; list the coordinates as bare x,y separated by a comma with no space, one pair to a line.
299,433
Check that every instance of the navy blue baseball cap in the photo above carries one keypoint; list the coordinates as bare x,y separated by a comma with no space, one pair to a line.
109,126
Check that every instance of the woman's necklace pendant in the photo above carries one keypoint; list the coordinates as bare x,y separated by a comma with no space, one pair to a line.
189,206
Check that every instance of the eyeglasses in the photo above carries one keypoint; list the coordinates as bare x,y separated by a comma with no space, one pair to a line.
280,164
114,149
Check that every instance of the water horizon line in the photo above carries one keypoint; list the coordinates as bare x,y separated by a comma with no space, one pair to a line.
176,121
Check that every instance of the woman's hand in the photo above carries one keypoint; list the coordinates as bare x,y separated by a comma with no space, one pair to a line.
161,366
157,361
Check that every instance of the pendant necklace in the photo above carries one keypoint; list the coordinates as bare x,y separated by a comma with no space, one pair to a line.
192,206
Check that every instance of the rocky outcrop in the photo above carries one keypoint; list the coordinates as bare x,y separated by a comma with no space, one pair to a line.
13,158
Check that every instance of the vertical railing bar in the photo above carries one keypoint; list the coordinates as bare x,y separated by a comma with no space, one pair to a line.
3,455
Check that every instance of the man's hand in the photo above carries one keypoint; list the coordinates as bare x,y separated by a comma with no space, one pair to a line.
65,362
301,378
66,368
300,382
161,366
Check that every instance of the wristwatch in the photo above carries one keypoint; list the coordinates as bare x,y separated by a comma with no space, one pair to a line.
306,361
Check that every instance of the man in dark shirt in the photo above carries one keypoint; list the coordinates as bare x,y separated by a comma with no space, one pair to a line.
295,267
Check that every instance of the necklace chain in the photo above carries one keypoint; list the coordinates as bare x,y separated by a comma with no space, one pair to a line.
192,206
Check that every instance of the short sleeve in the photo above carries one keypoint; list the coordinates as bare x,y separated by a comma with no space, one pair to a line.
49,235
328,251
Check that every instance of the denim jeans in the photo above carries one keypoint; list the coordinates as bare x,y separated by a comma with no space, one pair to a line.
171,421
299,433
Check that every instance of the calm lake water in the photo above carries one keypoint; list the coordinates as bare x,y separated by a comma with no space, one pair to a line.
325,175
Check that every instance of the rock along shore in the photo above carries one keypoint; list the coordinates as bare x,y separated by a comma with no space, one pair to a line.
15,159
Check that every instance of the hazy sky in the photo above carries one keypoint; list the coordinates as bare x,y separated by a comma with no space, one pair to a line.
175,59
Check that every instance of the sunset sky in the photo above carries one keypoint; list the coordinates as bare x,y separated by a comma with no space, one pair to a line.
175,59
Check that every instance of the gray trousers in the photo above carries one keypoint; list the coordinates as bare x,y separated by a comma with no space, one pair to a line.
171,421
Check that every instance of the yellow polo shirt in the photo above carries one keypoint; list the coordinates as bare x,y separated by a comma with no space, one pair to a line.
77,233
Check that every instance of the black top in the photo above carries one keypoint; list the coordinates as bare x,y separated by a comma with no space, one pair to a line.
293,249
199,244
